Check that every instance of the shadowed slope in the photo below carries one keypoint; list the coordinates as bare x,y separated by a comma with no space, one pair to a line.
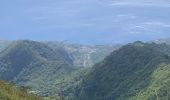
122,74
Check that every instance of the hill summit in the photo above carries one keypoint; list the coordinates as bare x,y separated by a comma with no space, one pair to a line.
134,72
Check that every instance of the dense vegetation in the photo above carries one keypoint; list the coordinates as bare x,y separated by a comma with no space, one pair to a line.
33,64
137,71
133,72
48,70
159,87
10,92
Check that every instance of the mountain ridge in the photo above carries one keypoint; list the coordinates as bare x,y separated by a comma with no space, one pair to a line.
123,73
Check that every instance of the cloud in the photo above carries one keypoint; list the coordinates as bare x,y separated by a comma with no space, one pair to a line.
157,24
123,17
140,3
108,19
150,28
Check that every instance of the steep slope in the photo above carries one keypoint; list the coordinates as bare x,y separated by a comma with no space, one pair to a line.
85,55
159,87
33,64
49,67
23,54
77,54
10,92
123,74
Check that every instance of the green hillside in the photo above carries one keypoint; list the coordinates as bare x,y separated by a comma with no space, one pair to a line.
34,64
133,72
136,71
48,68
10,92
159,87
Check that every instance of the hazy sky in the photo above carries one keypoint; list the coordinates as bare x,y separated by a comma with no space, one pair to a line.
85,21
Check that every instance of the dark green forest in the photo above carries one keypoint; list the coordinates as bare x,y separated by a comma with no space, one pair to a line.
48,71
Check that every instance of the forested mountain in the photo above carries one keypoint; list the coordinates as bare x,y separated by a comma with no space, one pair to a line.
137,71
28,55
80,55
47,68
85,55
33,64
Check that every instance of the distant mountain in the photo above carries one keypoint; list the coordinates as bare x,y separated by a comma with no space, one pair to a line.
137,71
4,44
164,40
85,55
79,55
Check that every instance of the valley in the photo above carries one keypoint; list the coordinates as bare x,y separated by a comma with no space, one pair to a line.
84,49
48,67
135,71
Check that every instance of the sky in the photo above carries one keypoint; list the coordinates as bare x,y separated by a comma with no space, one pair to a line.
85,21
